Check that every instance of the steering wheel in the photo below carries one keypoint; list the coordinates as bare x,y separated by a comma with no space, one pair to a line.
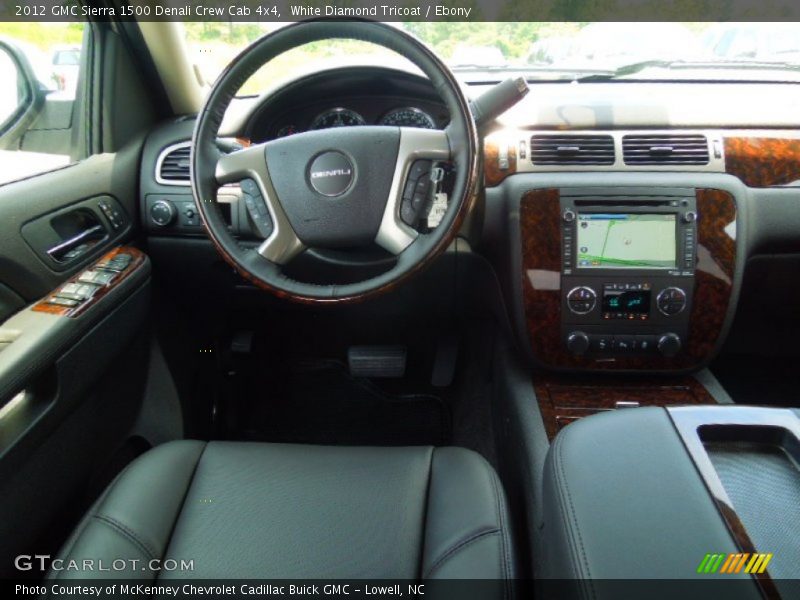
334,188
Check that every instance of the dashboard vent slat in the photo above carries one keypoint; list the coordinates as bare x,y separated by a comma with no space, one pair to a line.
174,165
572,149
659,149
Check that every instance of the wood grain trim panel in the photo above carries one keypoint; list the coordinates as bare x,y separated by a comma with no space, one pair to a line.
138,259
492,174
541,283
563,399
763,161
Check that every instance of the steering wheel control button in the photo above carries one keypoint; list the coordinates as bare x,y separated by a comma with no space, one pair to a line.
256,208
581,300
331,173
163,213
249,187
416,192
671,301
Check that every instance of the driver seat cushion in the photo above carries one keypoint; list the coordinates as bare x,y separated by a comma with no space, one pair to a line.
279,511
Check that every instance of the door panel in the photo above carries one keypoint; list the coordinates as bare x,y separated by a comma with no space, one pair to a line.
70,386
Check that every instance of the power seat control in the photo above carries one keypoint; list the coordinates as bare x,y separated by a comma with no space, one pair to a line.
671,301
581,300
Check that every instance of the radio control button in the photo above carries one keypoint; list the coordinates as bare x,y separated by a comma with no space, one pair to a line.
669,345
602,343
646,343
569,216
624,343
581,300
578,343
671,301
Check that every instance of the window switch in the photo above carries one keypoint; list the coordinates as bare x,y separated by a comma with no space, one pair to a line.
97,277
69,303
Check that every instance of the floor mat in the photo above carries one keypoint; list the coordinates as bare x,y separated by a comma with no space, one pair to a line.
319,403
765,380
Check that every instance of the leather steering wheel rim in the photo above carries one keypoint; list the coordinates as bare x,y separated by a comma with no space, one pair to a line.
210,169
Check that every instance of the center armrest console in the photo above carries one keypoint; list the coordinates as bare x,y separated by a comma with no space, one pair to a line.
690,494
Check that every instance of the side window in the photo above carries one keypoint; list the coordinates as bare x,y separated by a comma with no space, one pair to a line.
40,124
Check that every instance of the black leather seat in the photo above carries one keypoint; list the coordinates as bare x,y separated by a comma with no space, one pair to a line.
252,510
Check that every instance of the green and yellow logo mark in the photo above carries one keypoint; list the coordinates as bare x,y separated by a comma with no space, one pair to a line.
734,563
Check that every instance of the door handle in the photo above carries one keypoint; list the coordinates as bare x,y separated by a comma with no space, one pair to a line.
77,245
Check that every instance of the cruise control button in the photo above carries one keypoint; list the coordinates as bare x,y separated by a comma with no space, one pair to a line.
249,186
409,189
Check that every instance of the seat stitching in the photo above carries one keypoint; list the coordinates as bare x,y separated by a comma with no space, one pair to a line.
183,502
500,510
572,519
427,509
126,532
84,523
450,552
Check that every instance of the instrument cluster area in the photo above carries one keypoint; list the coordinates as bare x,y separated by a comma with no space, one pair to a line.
348,97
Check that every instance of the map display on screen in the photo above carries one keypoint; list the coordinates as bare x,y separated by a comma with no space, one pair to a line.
626,241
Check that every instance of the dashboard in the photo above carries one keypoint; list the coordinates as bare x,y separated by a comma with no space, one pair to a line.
656,159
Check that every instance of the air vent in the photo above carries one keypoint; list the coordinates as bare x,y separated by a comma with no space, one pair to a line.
665,149
572,150
173,165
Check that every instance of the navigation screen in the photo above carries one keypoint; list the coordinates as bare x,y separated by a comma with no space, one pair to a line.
626,241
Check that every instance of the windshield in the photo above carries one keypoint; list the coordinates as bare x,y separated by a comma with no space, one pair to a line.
541,51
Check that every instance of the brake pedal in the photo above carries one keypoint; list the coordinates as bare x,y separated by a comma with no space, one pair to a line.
376,361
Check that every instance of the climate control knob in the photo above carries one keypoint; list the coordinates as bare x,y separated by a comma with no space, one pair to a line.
581,300
578,343
671,301
163,213
669,345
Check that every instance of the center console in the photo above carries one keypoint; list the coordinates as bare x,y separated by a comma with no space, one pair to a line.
703,495
629,278
627,273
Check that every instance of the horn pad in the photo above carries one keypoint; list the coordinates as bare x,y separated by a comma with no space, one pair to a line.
333,184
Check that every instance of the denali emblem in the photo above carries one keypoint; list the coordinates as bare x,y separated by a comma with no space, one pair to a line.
331,173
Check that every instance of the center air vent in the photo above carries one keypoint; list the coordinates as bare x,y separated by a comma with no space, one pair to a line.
666,149
173,165
572,150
